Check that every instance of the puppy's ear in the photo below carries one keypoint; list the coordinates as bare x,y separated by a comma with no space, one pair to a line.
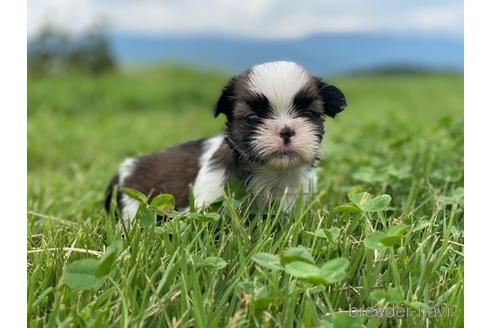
226,101
333,99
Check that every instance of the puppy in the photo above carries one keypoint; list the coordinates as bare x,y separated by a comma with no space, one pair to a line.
272,141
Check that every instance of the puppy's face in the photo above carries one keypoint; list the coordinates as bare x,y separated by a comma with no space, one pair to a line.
275,115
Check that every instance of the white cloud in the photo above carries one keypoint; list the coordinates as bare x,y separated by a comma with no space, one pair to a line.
251,18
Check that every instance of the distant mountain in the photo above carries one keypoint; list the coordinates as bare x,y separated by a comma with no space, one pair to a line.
321,54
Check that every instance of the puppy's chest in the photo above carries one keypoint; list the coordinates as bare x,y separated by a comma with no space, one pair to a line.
270,184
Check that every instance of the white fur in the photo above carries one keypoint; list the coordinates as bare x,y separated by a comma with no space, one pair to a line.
279,82
269,184
209,183
129,205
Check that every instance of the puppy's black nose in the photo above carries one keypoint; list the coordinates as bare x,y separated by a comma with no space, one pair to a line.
286,133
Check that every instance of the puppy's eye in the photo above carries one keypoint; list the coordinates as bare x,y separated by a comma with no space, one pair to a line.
252,119
310,114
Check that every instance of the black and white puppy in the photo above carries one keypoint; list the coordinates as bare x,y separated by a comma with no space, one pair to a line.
275,113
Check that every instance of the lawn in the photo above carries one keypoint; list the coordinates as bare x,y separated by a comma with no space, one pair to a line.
401,135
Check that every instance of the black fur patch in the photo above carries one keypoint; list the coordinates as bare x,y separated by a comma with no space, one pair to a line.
225,104
303,99
258,103
333,99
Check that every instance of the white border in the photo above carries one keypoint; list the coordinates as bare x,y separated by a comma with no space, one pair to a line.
478,162
13,136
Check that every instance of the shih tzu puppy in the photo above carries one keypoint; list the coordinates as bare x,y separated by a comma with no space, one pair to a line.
272,141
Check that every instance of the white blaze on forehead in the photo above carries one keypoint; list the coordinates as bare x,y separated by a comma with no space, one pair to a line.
279,82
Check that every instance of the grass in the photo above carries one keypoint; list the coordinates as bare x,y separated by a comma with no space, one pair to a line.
401,135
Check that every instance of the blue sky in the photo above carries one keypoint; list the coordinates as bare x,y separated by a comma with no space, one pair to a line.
252,18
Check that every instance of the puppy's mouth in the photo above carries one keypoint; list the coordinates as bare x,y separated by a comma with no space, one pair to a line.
283,159
285,153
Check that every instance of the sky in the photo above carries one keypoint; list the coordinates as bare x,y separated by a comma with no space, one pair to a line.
262,19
